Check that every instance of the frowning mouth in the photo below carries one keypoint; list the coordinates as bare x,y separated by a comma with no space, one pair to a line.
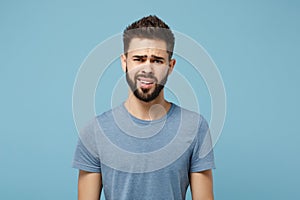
145,82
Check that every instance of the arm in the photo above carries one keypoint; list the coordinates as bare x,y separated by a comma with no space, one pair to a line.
89,185
201,184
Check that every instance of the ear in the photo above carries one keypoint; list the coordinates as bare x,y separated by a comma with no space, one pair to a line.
172,63
123,59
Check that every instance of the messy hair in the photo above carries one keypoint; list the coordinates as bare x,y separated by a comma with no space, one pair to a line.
150,27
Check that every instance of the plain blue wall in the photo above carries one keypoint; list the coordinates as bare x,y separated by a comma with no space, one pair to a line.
255,45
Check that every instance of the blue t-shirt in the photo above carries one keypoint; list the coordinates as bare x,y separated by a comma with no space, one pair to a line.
141,159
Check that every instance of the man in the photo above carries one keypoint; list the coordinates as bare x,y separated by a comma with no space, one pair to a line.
146,148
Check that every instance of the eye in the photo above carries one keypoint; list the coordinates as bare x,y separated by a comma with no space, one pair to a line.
137,59
158,61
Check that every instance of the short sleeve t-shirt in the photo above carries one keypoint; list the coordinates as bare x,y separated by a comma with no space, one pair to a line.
145,159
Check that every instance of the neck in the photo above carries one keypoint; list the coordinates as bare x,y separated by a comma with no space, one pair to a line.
152,110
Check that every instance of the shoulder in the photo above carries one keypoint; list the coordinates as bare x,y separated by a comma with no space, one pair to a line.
111,117
190,124
93,125
189,117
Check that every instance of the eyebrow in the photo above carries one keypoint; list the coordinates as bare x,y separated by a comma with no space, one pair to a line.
139,56
157,57
145,56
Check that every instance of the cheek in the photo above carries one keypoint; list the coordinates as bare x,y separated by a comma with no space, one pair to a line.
162,72
131,70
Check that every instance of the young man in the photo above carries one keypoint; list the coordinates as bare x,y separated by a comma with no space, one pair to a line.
146,148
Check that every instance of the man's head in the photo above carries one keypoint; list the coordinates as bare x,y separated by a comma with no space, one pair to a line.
147,58
150,27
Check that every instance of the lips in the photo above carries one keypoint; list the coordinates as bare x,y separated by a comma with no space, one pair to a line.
145,82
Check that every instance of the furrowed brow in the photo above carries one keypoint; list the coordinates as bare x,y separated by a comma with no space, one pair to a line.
157,57
139,56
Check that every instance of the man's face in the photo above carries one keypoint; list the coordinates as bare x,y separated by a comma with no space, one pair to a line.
147,67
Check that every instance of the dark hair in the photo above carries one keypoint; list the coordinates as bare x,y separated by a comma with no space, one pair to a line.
150,27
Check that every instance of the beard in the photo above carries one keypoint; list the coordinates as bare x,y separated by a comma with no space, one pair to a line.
146,94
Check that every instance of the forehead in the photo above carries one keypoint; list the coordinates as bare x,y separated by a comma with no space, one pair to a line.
144,45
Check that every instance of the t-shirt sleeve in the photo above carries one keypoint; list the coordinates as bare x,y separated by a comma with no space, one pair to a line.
202,155
86,157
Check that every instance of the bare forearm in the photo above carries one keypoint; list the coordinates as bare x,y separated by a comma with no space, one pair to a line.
89,185
202,185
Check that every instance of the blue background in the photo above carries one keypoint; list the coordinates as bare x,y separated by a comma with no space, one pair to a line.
255,45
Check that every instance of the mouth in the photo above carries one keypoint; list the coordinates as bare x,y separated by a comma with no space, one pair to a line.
145,83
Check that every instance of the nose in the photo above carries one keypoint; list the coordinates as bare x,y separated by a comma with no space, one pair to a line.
147,68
